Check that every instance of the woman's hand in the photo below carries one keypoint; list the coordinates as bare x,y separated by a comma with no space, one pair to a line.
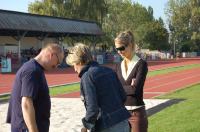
133,81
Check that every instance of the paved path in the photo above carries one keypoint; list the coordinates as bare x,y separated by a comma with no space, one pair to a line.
66,114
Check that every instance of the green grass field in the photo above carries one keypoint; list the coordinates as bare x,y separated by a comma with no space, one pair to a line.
181,117
4,97
54,91
64,89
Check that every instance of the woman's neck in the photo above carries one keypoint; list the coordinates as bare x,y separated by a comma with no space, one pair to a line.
129,58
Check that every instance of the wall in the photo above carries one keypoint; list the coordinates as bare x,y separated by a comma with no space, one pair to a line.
26,43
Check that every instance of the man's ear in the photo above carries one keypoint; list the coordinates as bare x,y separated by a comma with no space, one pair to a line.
50,55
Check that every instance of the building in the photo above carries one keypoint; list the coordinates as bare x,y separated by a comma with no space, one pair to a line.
21,33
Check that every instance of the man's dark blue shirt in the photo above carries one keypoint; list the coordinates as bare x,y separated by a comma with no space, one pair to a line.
30,82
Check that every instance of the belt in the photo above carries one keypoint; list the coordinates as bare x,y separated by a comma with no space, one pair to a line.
137,109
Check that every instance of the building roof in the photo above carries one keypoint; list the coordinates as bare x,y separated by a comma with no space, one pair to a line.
13,23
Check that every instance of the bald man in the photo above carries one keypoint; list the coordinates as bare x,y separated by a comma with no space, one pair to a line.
29,106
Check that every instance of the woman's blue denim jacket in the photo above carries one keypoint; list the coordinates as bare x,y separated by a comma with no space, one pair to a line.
103,96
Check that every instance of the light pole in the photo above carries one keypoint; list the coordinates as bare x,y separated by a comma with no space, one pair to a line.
174,49
171,28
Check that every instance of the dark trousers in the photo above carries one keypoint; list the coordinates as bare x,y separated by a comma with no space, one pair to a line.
138,120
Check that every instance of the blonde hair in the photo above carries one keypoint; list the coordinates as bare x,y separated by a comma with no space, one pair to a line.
126,38
79,54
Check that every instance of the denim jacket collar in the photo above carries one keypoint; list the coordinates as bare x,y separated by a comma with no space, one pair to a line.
86,67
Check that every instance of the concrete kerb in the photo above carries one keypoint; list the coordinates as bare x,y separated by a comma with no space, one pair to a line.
4,94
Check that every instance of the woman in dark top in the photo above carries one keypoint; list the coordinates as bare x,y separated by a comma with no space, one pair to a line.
132,73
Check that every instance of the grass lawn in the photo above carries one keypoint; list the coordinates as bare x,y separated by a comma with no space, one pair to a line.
4,97
64,89
181,117
53,91
173,69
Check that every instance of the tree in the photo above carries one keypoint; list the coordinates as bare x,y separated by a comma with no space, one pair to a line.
91,10
94,10
125,15
113,16
81,9
153,36
195,24
184,17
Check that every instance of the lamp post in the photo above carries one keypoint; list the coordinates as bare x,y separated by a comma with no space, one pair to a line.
171,28
174,49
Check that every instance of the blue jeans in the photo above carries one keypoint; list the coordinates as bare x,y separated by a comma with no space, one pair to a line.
120,127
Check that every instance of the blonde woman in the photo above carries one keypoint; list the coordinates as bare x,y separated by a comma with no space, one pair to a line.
132,73
102,93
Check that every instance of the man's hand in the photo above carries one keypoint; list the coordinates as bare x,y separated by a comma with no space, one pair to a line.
83,129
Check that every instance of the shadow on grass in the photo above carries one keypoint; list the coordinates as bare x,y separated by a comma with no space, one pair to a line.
162,106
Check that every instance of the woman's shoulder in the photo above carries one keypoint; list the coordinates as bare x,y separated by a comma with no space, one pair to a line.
142,61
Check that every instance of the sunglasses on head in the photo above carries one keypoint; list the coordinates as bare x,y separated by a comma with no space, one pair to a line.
122,48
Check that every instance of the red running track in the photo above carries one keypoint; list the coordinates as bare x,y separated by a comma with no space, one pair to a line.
158,85
154,86
161,84
154,65
57,77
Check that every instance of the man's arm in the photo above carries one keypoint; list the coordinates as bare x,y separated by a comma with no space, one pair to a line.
28,112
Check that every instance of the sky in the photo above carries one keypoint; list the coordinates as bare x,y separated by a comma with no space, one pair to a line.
15,5
22,6
157,5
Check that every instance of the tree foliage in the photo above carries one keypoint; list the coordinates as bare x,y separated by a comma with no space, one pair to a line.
113,16
80,9
152,35
133,16
184,22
